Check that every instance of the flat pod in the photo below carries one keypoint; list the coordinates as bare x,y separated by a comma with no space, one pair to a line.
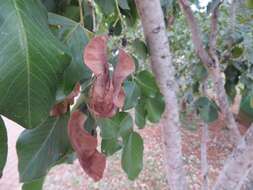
106,94
85,146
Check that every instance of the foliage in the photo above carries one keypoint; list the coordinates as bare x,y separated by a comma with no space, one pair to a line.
43,61
41,65
3,147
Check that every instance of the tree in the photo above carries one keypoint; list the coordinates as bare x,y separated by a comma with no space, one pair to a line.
154,30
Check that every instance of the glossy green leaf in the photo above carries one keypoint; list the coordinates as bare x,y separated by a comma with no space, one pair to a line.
207,110
32,62
75,37
3,146
110,146
155,108
41,148
123,4
132,155
34,185
132,92
147,83
140,114
140,48
119,125
107,7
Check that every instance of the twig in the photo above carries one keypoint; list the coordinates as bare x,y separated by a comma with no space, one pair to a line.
81,12
93,12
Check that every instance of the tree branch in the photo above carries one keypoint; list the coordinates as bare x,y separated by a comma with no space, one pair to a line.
195,34
213,34
239,162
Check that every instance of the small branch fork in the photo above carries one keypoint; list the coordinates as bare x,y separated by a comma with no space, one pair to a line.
211,62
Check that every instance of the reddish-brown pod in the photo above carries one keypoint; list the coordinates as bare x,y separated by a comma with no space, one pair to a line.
106,94
85,146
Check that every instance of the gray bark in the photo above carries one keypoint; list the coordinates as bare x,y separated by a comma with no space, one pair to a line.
154,30
239,163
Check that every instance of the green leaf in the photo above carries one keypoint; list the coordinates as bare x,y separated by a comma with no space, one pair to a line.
237,51
199,72
109,128
119,125
232,78
140,114
55,5
131,15
3,146
72,12
87,15
155,108
207,109
132,155
115,29
123,4
32,62
41,148
106,6
132,92
110,146
147,83
90,124
140,48
125,123
251,101
75,37
34,185
249,4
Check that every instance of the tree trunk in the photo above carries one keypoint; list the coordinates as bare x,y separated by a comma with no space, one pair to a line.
239,163
154,30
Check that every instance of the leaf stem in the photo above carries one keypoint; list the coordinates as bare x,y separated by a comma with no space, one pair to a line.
81,12
118,11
